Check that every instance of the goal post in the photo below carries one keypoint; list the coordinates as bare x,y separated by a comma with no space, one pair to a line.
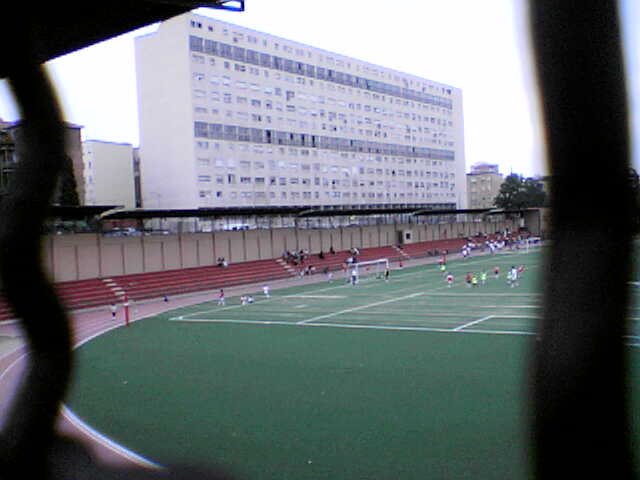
371,268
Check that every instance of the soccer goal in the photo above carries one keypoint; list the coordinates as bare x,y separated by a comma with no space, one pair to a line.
371,268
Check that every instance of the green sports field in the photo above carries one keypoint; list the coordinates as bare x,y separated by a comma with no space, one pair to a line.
402,379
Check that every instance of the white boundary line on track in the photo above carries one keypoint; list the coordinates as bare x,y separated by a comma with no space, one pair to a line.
12,365
95,436
107,442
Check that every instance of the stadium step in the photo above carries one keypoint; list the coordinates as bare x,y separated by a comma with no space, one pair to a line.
287,267
113,286
401,252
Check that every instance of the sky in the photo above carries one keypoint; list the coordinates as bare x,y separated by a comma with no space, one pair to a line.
481,47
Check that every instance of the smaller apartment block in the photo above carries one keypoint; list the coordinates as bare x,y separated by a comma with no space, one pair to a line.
108,173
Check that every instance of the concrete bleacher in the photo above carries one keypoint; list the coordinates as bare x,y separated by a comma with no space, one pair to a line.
172,282
433,247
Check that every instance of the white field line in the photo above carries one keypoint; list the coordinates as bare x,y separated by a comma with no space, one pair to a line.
235,321
486,294
321,297
471,324
106,442
352,326
362,307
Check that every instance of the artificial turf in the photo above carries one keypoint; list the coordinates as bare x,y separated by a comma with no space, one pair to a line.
325,400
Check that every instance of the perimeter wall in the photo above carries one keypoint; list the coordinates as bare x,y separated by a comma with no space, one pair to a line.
83,256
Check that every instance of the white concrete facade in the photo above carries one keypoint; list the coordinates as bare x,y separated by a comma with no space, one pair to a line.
234,117
108,173
483,185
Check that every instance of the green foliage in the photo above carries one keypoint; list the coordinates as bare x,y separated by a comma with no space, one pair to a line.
517,192
67,191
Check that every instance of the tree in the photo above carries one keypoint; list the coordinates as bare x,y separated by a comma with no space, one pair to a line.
517,192
67,190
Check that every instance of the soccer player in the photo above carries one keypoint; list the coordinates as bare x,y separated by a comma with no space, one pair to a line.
221,298
354,276
386,274
468,278
114,309
496,271
483,277
265,290
513,276
243,300
249,299
474,280
449,279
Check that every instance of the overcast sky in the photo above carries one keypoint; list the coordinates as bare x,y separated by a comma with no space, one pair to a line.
479,46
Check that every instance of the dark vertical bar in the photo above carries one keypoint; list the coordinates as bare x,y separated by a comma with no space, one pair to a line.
27,437
580,420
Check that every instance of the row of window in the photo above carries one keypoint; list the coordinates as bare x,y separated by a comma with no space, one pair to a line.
211,47
307,195
419,134
300,52
218,131
243,85
327,155
228,97
283,181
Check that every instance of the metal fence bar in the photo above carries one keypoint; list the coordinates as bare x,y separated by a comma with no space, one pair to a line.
580,419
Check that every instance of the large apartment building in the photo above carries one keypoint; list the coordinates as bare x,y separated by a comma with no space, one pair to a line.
234,117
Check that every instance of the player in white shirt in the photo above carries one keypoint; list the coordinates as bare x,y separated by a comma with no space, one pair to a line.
513,277
354,276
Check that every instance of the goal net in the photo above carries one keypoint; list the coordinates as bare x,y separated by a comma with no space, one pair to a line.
370,268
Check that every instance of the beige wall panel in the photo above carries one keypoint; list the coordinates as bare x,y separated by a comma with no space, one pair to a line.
369,236
221,246
205,249
390,234
251,250
335,239
264,244
189,255
88,261
304,240
315,241
153,261
325,239
351,237
230,246
65,268
133,261
171,251
111,258
279,237
236,246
